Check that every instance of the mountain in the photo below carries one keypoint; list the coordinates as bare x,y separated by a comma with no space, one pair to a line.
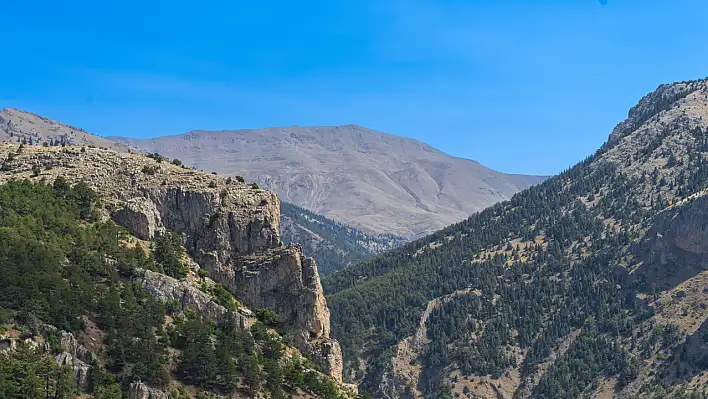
333,245
127,276
374,182
25,127
593,283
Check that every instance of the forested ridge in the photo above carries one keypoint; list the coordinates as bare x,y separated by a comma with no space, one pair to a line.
558,260
65,269
333,245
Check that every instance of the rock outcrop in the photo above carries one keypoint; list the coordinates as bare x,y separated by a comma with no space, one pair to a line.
230,229
167,289
81,370
138,390
284,280
72,354
328,354
139,216
650,105
77,357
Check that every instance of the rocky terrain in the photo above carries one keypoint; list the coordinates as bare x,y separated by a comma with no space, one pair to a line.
591,284
375,182
230,231
19,127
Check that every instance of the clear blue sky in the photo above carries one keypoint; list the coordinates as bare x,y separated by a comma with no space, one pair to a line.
526,86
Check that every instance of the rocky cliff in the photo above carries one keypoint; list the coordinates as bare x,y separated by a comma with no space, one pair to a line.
230,229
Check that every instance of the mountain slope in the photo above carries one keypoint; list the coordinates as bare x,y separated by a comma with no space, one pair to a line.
18,126
127,276
590,284
333,245
375,182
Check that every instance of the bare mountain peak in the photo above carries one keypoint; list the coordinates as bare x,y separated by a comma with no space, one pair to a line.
376,182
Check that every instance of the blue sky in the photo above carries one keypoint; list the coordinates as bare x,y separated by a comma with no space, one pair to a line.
521,86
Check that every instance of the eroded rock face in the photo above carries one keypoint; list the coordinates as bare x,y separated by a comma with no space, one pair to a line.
284,280
77,357
140,217
682,230
675,246
650,105
691,226
167,289
138,390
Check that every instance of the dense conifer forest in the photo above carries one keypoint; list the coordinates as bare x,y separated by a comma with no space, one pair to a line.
333,245
548,264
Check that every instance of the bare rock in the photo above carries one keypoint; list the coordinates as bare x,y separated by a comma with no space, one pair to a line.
652,104
81,369
139,390
140,217
168,289
282,280
285,281
328,355
69,343
230,229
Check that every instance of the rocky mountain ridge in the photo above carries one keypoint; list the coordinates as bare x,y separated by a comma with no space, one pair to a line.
229,229
17,126
372,181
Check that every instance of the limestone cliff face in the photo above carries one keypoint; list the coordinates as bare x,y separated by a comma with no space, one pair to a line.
284,280
229,228
273,280
676,244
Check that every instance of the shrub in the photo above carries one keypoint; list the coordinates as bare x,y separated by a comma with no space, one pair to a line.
149,170
157,157
267,316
